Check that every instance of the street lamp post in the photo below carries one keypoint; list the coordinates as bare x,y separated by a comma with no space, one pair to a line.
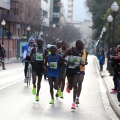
103,30
3,24
114,8
109,19
28,31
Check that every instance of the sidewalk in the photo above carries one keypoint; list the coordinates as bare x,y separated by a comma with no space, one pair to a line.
12,60
108,80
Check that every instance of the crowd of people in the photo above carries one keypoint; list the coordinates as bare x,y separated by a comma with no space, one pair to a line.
113,65
56,62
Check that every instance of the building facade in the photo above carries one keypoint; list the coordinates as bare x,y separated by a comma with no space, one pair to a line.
70,10
45,6
55,12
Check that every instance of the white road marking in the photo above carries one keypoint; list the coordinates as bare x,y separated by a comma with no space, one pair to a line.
1,88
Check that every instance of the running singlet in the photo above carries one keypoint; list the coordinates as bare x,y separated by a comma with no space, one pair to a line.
38,60
54,66
76,58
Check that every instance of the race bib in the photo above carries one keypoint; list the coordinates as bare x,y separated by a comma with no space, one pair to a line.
39,56
53,65
76,60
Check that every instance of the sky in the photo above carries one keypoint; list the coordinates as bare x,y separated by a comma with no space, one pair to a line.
80,11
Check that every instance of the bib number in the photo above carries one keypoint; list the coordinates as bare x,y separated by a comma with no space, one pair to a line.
39,56
76,60
53,65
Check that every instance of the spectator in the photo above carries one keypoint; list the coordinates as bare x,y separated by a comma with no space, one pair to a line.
116,67
101,58
109,53
2,56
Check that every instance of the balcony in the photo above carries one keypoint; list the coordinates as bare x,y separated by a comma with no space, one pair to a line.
57,4
56,15
11,18
57,0
14,0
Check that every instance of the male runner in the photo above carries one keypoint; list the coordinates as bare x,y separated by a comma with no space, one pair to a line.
37,57
61,51
82,73
53,71
73,71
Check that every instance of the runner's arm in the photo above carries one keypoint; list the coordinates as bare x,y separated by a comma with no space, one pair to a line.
46,61
86,58
67,53
116,57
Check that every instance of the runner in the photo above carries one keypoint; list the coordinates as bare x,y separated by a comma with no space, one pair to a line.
73,71
61,51
37,57
82,73
53,71
59,43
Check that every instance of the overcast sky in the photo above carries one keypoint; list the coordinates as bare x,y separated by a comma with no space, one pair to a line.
80,11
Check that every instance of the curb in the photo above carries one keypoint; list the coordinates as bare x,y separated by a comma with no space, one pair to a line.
113,105
111,100
8,62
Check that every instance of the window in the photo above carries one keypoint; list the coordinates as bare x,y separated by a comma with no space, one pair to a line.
45,13
46,1
7,1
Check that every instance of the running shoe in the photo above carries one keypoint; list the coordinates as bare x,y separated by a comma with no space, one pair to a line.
73,106
59,92
77,101
61,95
114,91
68,90
37,98
52,101
56,95
34,91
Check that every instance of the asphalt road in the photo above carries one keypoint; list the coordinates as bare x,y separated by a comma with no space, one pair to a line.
18,103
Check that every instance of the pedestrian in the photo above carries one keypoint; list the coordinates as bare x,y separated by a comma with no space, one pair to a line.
116,67
101,58
2,56
73,71
109,61
37,57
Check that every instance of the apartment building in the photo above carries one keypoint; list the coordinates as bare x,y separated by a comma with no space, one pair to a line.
55,12
70,10
18,30
45,6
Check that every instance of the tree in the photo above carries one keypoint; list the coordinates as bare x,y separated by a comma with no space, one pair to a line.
70,33
98,8
30,14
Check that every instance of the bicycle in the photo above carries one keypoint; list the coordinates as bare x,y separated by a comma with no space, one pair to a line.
29,73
